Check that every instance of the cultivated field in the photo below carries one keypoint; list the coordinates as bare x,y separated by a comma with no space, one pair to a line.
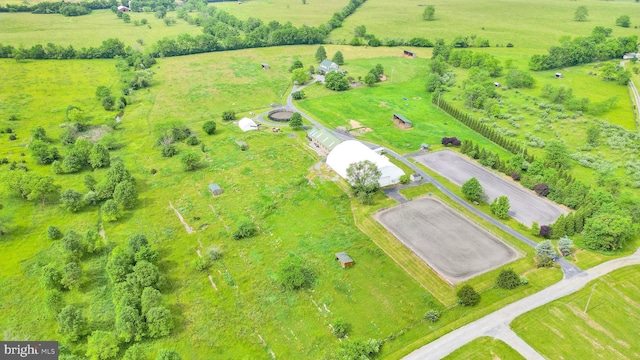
452,245
525,24
608,329
26,29
526,207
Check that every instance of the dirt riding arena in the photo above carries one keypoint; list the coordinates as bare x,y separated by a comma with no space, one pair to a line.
449,243
526,206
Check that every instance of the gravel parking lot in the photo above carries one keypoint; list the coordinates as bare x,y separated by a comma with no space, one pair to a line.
451,244
526,206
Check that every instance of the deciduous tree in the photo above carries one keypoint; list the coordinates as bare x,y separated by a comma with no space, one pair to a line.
71,323
102,345
467,296
129,325
159,322
500,207
99,157
429,13
296,121
209,127
71,200
472,190
190,160
581,13
364,177
607,231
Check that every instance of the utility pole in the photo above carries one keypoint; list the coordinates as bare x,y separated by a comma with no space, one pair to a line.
588,301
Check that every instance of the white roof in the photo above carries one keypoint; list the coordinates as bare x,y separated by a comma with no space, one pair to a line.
247,124
353,151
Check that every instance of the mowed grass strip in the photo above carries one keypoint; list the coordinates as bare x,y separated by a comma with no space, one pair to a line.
485,348
608,329
26,29
525,24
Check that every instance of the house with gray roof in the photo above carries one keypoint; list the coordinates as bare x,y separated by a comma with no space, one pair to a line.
327,66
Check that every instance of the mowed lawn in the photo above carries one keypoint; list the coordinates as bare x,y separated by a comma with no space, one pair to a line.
609,328
525,24
26,29
313,13
485,348
265,184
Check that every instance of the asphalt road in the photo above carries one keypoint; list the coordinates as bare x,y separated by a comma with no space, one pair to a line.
497,323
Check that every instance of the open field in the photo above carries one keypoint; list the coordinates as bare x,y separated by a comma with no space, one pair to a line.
526,207
525,24
452,245
313,13
562,329
26,29
485,348
265,183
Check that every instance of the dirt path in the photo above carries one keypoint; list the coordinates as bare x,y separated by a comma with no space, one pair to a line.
186,226
102,233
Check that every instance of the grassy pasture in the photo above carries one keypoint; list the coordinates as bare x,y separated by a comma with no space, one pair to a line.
26,29
313,13
609,326
523,23
485,348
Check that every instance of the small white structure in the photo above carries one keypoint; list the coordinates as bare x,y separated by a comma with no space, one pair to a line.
353,151
247,124
558,75
631,56
415,177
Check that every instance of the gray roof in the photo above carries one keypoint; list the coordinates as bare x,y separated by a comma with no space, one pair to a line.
324,137
344,258
213,187
404,119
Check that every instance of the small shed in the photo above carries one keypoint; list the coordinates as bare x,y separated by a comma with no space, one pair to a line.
265,66
247,124
345,260
242,145
409,54
123,8
558,75
424,147
402,121
415,177
497,84
215,189
631,56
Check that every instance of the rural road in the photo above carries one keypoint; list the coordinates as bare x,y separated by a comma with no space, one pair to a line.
569,270
497,323
635,97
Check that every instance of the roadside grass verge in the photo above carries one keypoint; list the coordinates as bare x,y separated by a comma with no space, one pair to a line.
485,348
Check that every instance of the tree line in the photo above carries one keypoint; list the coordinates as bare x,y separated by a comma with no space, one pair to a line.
582,50
67,9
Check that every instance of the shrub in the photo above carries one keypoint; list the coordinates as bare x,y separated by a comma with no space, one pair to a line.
508,279
229,115
214,254
53,233
565,245
467,296
192,140
245,230
432,315
545,231
541,189
201,264
515,176
209,127
294,275
472,190
169,150
404,179
340,328
298,95
524,280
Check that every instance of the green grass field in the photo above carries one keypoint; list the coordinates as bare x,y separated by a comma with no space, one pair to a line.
26,29
525,24
313,13
608,328
485,348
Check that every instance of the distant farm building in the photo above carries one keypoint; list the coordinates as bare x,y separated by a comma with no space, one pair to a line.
345,260
247,124
327,66
558,75
409,54
424,147
402,121
352,151
631,56
215,189
497,84
123,8
415,177
323,139
265,66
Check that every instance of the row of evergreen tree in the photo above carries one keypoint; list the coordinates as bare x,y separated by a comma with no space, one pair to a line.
481,128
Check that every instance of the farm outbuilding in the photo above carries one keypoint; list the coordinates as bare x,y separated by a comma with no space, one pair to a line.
323,139
631,56
409,54
123,8
215,189
345,260
327,66
247,124
352,151
558,75
415,177
265,66
402,121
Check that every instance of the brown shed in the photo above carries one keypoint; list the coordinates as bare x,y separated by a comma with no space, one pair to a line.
345,260
402,121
